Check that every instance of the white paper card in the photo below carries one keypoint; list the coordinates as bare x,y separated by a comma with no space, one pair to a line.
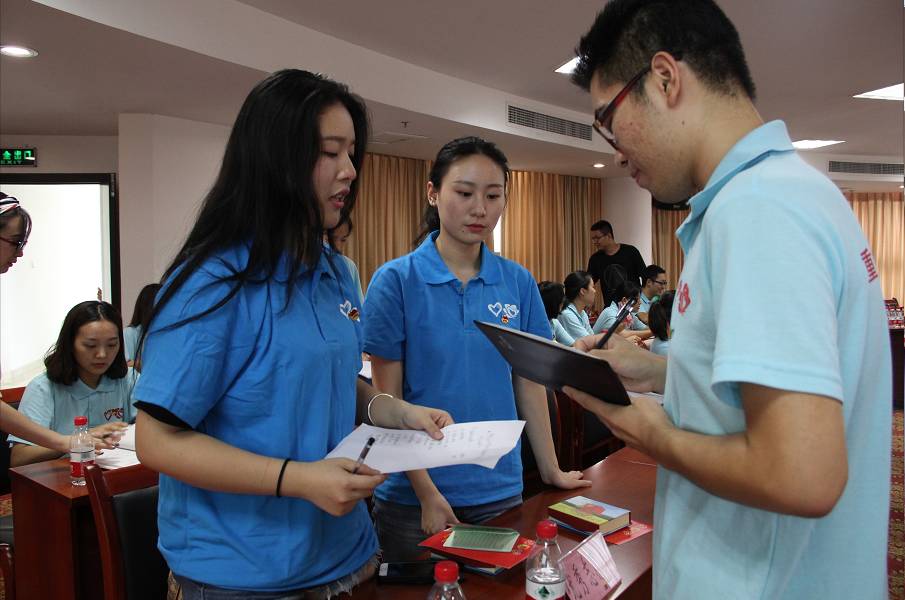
590,570
394,450
117,458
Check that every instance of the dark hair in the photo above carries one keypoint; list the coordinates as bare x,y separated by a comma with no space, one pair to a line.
574,283
345,219
551,294
627,34
658,316
449,154
650,272
264,193
603,227
7,217
627,289
60,361
144,304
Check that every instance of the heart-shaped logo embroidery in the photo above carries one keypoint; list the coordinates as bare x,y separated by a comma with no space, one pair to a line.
345,308
496,309
511,310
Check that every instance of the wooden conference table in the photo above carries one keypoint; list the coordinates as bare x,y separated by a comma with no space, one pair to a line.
57,554
625,478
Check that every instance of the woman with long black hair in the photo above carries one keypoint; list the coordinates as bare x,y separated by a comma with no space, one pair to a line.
250,361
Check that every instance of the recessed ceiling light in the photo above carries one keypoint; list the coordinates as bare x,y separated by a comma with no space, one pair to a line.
902,187
811,144
598,165
892,92
568,67
18,51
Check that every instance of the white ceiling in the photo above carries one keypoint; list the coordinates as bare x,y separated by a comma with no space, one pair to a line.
808,58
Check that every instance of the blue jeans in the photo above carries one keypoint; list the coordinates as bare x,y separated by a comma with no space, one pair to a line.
399,525
195,590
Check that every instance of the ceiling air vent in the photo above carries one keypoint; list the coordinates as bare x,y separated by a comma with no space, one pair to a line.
536,120
865,168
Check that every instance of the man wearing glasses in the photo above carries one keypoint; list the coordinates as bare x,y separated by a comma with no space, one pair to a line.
773,441
655,283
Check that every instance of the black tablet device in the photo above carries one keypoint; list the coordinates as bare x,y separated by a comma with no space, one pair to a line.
553,365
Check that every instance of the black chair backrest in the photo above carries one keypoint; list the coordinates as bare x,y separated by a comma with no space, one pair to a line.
144,569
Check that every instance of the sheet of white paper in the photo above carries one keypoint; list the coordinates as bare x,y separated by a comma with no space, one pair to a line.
128,439
365,369
654,395
116,458
479,443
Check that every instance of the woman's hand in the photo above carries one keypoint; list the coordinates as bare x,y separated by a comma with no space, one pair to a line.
330,484
565,480
436,514
423,418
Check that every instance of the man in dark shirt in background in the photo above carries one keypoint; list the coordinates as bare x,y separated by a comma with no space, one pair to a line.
609,252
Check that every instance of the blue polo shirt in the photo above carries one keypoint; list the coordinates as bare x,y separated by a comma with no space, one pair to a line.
575,322
418,313
608,317
272,379
768,232
55,406
131,336
560,334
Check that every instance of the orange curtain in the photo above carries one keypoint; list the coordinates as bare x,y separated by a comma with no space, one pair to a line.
546,226
882,217
666,250
387,214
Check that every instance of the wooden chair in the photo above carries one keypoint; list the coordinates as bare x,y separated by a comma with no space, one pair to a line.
125,516
8,570
585,439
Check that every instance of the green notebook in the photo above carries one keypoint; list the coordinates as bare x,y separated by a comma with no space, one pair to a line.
475,537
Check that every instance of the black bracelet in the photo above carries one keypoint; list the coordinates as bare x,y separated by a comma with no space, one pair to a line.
280,478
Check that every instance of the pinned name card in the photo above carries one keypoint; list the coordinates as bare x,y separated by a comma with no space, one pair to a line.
590,570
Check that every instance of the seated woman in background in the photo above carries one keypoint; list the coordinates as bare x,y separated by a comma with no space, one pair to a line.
658,318
86,375
337,238
579,295
144,304
627,291
552,294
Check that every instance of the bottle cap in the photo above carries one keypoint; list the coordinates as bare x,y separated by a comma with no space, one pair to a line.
546,529
446,571
79,421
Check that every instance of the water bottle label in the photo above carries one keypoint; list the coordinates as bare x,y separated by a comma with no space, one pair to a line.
78,461
545,591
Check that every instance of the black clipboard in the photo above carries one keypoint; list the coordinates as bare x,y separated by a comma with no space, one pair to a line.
553,365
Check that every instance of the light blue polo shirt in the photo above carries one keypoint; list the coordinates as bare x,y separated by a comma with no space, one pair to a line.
644,306
608,317
418,313
766,233
560,334
131,335
55,406
575,322
272,379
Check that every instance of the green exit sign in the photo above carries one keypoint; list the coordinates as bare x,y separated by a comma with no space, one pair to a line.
18,157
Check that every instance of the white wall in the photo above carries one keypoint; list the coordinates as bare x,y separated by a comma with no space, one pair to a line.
61,266
65,153
166,166
628,209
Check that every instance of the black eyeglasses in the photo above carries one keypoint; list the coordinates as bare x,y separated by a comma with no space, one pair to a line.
19,244
664,282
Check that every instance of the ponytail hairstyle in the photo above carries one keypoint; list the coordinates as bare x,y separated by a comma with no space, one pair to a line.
658,316
449,154
574,283
552,294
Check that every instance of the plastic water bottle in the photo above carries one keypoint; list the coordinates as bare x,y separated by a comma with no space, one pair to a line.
446,582
81,451
544,578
